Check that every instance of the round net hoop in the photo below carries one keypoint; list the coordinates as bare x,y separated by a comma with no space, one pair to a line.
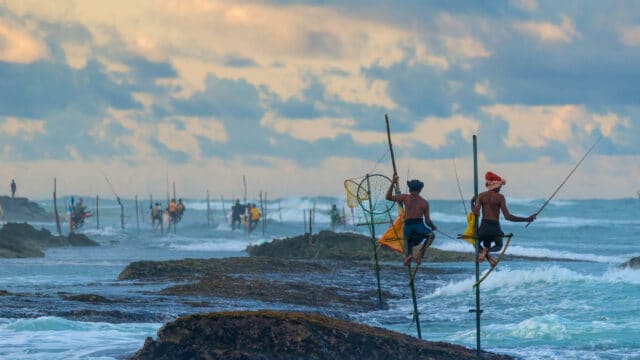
374,188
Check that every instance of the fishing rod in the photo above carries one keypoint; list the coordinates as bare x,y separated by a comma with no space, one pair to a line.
455,169
117,198
565,180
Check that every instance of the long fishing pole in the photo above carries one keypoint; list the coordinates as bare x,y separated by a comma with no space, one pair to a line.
567,178
455,169
117,198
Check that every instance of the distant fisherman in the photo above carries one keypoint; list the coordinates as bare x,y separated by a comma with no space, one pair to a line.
492,202
416,208
13,188
156,215
236,214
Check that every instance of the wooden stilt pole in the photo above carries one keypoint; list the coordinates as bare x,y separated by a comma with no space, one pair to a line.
477,310
55,208
408,250
97,213
208,210
373,241
137,216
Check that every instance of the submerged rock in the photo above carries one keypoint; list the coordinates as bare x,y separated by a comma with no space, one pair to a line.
87,298
290,335
342,246
633,263
21,209
21,240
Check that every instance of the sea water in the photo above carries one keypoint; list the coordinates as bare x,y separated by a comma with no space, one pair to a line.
572,301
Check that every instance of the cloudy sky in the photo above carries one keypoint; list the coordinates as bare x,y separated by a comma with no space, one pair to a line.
292,95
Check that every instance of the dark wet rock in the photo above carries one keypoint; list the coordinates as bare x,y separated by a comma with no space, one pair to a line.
290,335
196,268
87,298
4,293
342,246
300,293
21,209
21,240
633,263
112,316
248,278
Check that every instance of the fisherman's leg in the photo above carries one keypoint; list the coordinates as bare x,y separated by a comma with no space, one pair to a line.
426,234
498,244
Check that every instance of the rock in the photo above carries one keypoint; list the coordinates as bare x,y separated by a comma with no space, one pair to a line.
189,269
290,335
21,209
21,240
342,246
633,263
87,298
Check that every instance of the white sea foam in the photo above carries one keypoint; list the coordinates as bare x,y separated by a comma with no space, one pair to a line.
556,254
52,337
506,278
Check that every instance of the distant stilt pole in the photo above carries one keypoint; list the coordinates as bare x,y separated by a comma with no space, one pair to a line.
244,181
310,228
137,216
97,213
121,212
279,211
304,219
55,209
264,214
208,210
224,211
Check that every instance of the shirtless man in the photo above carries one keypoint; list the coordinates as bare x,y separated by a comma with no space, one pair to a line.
492,202
415,209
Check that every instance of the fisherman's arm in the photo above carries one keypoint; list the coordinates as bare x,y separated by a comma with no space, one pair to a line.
509,216
427,218
389,195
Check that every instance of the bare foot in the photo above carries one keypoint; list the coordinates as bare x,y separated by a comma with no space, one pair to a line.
407,260
492,261
421,254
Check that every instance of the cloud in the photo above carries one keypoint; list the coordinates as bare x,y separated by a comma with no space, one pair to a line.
630,35
18,45
538,126
26,129
546,32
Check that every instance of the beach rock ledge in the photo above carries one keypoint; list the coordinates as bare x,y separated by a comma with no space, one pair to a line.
21,240
289,335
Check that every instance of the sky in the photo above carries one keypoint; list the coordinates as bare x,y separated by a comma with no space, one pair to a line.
292,95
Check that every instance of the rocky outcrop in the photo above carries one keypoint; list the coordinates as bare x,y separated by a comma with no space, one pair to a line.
341,246
633,263
21,240
21,209
244,278
290,335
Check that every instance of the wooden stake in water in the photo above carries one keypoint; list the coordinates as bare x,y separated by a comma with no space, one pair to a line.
208,210
97,213
137,217
477,310
55,209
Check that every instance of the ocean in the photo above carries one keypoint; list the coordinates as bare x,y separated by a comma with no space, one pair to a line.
572,302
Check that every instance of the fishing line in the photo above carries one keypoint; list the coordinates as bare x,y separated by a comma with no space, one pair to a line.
567,178
455,170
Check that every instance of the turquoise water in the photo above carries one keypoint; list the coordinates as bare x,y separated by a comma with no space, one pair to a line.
580,305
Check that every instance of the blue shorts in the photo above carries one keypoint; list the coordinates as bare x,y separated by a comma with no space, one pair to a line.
415,231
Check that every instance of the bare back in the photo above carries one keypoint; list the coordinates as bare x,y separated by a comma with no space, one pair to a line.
492,202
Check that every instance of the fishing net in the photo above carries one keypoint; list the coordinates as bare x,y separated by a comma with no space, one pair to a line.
352,188
374,188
